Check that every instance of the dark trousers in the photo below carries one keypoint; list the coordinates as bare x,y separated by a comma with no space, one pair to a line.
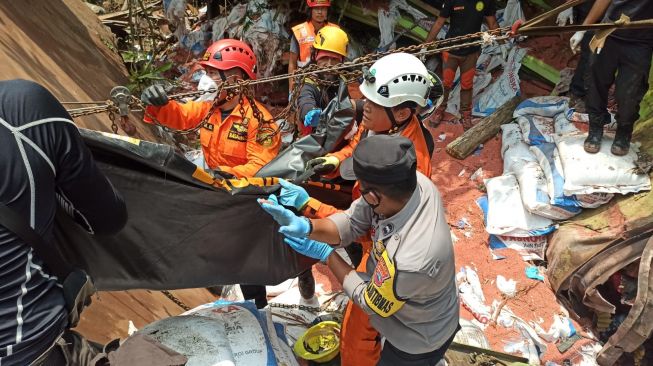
392,356
70,349
578,81
626,65
256,293
306,281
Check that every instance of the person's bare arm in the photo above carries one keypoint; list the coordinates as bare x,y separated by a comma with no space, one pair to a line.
325,230
597,11
292,66
435,29
491,22
338,266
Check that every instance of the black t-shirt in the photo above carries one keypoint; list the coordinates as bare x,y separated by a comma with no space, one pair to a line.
636,10
466,17
312,96
581,11
43,163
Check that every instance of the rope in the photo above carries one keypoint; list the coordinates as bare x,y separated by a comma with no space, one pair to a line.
174,299
311,71
314,70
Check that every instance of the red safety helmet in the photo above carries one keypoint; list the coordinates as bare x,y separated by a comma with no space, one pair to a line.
315,3
226,54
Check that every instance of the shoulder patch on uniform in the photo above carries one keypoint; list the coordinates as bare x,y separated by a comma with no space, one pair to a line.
480,5
380,293
238,132
265,136
388,229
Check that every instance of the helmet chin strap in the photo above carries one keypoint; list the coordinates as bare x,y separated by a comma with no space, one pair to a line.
393,121
228,98
395,126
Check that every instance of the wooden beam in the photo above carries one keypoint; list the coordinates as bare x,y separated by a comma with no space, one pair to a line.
421,5
489,126
122,13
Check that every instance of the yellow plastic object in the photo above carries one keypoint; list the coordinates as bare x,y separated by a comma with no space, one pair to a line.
320,343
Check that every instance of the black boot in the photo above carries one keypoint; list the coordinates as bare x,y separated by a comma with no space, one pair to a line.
592,143
621,144
438,114
306,284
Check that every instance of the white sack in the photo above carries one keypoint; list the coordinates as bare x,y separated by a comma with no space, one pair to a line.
506,213
504,88
600,172
549,159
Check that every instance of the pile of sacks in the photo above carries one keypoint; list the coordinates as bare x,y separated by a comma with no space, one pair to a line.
548,176
219,333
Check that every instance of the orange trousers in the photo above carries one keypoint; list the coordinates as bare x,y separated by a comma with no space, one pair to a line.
360,343
467,65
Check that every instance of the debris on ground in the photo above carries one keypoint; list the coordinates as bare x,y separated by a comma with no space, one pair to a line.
526,188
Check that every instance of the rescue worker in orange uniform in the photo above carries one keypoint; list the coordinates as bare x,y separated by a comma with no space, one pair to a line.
232,142
394,86
303,35
233,139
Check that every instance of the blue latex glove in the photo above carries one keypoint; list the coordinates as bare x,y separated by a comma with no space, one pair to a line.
310,248
533,272
292,195
291,224
312,118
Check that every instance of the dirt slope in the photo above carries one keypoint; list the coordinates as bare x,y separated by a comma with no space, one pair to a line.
63,45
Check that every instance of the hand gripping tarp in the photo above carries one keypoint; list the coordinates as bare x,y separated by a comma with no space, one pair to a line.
335,122
183,231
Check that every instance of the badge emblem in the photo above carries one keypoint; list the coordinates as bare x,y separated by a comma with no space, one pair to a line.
381,274
388,229
480,6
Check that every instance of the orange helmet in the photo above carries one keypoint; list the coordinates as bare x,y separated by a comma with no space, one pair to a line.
316,3
226,54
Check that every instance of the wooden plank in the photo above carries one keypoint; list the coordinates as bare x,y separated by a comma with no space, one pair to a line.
489,126
110,312
123,13
430,10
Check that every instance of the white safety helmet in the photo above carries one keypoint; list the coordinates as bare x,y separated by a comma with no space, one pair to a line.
397,78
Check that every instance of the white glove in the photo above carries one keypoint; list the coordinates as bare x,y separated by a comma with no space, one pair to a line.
421,54
504,51
574,41
566,16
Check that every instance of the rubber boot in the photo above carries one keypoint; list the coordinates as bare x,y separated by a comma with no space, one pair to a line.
466,108
436,118
306,284
466,119
577,103
592,143
621,144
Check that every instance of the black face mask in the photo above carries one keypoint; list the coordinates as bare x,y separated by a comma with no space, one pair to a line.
376,196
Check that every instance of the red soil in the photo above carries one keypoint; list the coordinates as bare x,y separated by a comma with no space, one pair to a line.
460,194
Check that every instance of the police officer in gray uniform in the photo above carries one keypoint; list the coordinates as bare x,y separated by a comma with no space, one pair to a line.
408,288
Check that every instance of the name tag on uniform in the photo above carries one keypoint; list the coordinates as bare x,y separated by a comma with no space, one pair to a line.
207,125
238,132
